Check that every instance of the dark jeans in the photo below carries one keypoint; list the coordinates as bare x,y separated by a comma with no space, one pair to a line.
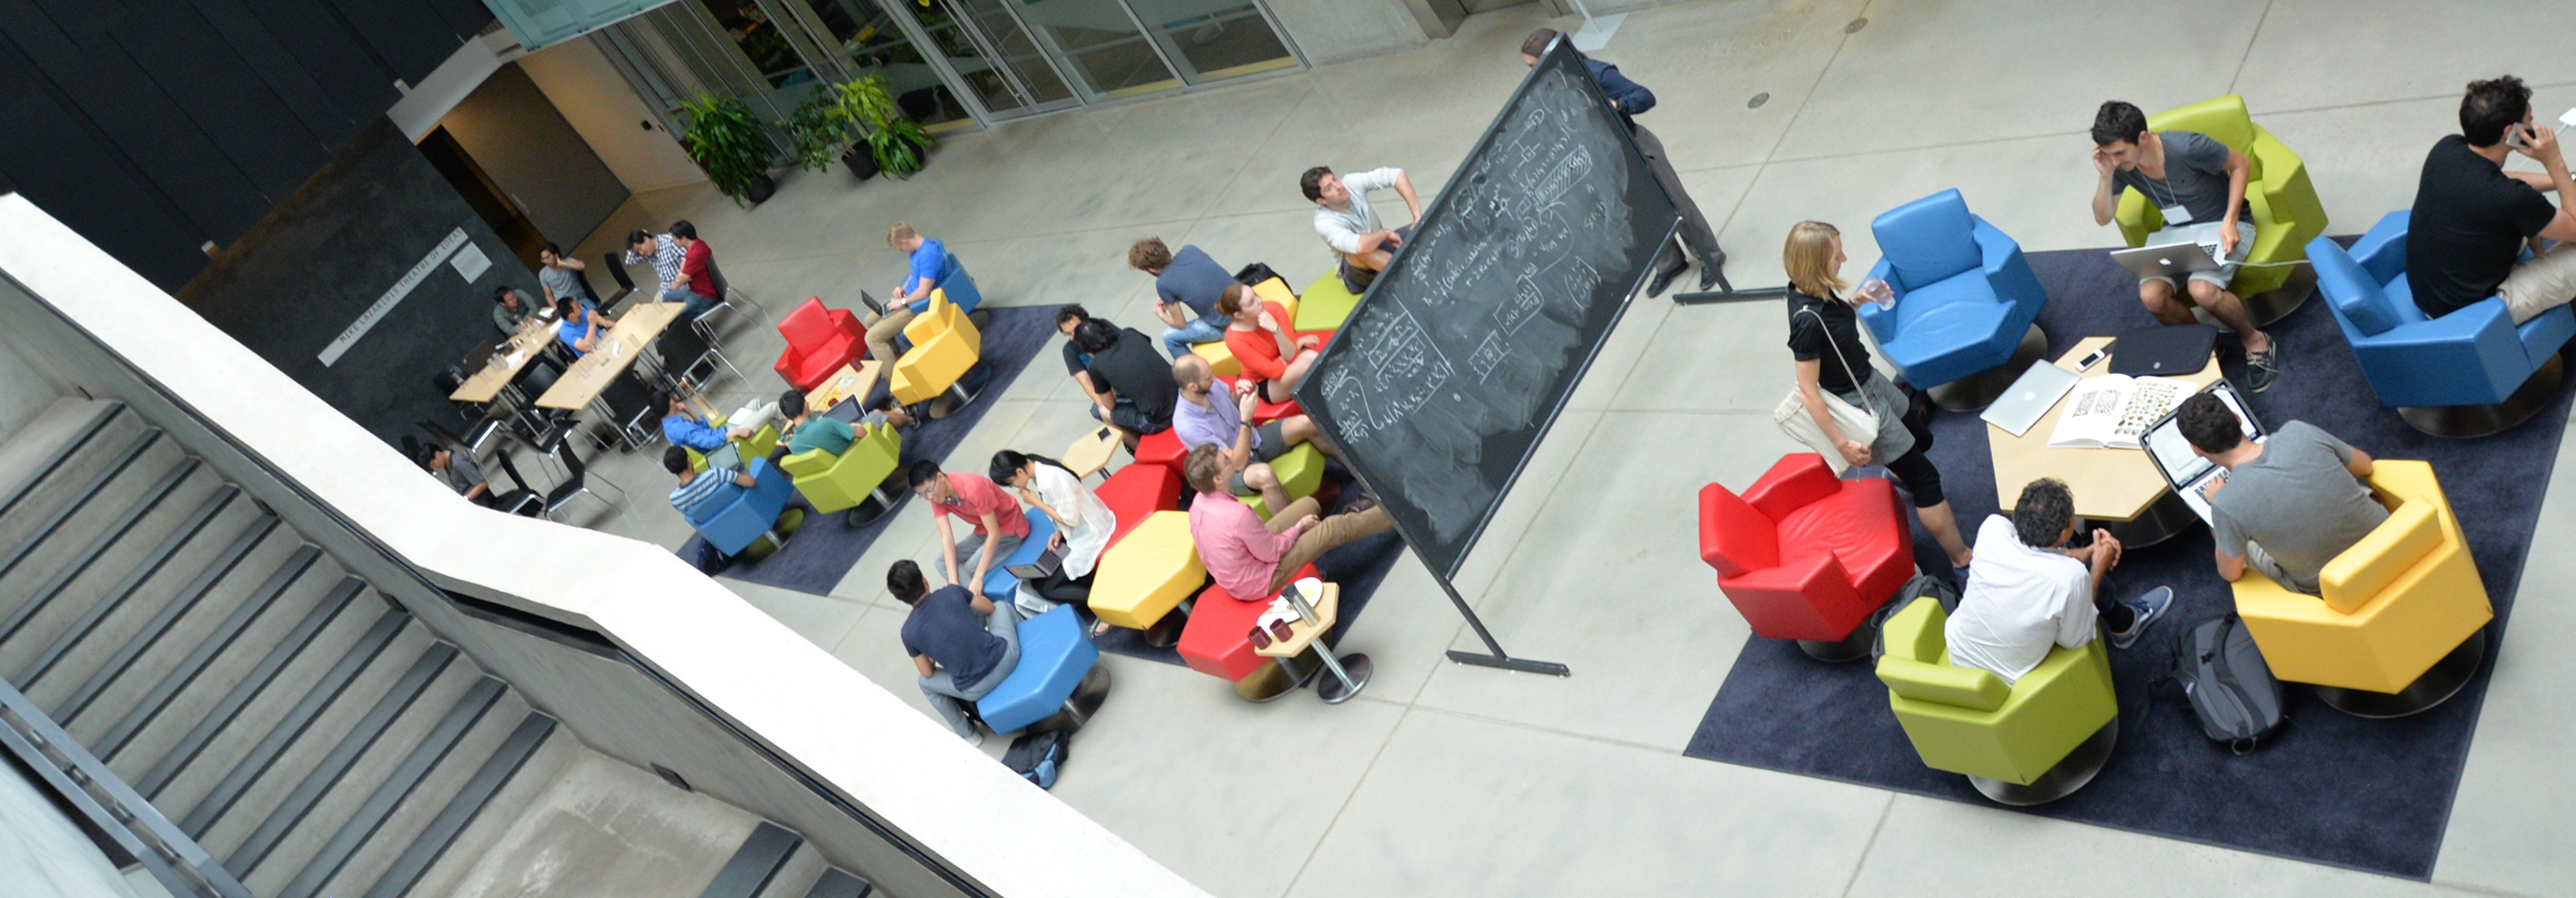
696,305
1695,234
1357,279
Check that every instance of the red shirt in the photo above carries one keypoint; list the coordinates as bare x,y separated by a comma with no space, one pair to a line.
1258,350
694,264
978,496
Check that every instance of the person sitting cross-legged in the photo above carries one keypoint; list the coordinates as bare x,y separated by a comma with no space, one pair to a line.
1254,559
1186,285
962,643
1204,416
2030,592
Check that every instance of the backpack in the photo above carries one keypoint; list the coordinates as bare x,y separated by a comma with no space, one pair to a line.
1252,275
1038,757
1940,590
2231,690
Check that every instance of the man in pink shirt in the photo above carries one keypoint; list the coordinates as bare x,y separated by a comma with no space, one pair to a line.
999,524
1251,559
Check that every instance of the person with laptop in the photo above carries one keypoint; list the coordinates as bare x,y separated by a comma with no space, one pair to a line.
2032,591
682,427
1082,522
1822,322
2287,505
2472,218
2199,184
810,429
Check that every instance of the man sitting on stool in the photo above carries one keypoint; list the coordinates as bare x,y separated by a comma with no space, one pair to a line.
1186,285
2287,505
1252,559
2200,185
1348,225
963,645
1202,417
2028,591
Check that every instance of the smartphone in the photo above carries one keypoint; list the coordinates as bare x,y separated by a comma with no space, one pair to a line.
2518,137
2095,358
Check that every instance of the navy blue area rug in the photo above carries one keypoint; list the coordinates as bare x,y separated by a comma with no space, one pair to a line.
2330,788
824,549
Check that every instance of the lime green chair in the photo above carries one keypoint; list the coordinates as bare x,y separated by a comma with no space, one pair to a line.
1326,304
757,445
1300,472
2024,743
2287,213
831,483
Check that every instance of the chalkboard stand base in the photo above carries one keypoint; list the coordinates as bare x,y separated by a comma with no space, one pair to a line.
1706,297
1507,662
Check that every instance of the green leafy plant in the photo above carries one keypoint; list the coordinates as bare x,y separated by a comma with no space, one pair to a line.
820,128
726,140
894,139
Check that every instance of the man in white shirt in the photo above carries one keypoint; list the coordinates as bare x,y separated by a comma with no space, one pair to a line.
2028,592
1350,227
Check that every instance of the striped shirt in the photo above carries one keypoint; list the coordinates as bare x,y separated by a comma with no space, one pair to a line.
697,491
666,259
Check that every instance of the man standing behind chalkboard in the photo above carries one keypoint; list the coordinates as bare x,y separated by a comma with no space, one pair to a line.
1350,227
1630,99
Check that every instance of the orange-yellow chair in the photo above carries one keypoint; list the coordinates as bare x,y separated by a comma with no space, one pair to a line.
2402,622
945,344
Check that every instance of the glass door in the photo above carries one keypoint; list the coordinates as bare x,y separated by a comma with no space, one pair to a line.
864,39
1100,45
1212,40
995,58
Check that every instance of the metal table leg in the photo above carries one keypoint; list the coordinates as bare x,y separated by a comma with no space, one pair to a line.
1350,675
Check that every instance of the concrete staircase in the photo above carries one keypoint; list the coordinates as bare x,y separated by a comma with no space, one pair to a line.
316,741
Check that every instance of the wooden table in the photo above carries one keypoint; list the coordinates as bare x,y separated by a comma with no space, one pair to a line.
1091,452
488,381
843,384
2118,488
627,340
1350,673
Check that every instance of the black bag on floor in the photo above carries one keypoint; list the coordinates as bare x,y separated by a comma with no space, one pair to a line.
1252,275
2231,690
1038,757
1940,590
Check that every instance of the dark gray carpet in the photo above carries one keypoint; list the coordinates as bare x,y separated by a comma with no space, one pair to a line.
2330,788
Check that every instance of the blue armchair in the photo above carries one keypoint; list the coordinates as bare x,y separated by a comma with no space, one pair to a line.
737,516
2469,373
999,585
1965,297
1058,681
960,285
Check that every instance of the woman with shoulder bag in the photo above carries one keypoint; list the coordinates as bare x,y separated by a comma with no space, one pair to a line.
1837,397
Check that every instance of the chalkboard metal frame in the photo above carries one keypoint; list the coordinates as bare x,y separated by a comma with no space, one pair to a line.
1560,57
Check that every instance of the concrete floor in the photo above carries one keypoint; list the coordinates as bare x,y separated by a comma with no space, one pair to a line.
1445,780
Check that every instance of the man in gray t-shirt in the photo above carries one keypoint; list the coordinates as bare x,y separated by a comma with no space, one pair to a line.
2287,505
558,275
2199,185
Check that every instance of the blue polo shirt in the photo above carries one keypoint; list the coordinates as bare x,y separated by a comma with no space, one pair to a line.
928,264
686,430
569,331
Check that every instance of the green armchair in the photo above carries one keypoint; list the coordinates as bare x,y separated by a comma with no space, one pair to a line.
2287,213
848,481
2024,743
754,446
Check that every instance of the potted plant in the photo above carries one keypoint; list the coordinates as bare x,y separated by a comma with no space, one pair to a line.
730,144
823,128
895,142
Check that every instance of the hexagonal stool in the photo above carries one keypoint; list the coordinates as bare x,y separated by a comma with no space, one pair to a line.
1218,642
1300,472
1136,491
1147,575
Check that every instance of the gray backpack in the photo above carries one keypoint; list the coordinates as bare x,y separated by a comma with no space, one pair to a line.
2231,690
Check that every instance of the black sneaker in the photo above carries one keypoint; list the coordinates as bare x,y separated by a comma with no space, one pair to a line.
1663,279
2262,368
2147,608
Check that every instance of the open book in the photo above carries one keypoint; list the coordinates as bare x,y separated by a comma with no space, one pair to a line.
2114,410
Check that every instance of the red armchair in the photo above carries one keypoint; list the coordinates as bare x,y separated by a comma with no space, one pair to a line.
1807,556
819,341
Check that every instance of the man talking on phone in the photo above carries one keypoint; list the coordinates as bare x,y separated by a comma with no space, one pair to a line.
2199,183
2472,218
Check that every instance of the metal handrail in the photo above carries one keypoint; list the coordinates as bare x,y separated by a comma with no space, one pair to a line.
111,806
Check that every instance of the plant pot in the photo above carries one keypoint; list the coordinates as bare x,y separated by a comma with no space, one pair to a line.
861,163
760,189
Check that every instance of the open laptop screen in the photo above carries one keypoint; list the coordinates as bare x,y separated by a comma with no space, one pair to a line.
727,457
2182,468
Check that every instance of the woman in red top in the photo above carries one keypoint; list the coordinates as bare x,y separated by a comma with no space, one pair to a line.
1261,342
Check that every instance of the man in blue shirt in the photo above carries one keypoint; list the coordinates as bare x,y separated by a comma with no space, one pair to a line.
929,261
581,328
682,427
961,643
1186,287
1630,99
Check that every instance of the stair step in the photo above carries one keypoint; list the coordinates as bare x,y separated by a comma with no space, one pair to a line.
298,843
468,803
396,786
320,779
798,874
372,665
410,820
202,599
755,863
36,569
506,810
179,675
68,697
838,883
54,440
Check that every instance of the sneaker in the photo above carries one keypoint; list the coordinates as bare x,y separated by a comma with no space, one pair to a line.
2148,607
1663,279
2262,368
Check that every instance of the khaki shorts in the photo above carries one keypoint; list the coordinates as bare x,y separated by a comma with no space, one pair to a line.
2544,283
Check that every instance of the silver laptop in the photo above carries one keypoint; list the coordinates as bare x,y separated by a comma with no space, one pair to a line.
2185,470
2030,397
2168,259
727,457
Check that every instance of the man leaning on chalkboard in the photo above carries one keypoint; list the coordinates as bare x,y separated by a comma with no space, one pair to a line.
1630,99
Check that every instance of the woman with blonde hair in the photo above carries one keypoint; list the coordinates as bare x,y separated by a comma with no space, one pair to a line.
1821,319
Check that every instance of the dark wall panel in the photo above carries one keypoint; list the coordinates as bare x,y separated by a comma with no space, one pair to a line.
330,124
224,99
406,33
361,82
290,286
51,157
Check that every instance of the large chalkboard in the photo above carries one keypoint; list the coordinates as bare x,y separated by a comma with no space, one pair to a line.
1458,358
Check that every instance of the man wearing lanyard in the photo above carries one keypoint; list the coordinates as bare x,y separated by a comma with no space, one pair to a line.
1630,99
2199,183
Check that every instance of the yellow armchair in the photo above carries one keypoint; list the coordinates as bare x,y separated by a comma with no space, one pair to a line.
2287,212
2401,625
945,345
